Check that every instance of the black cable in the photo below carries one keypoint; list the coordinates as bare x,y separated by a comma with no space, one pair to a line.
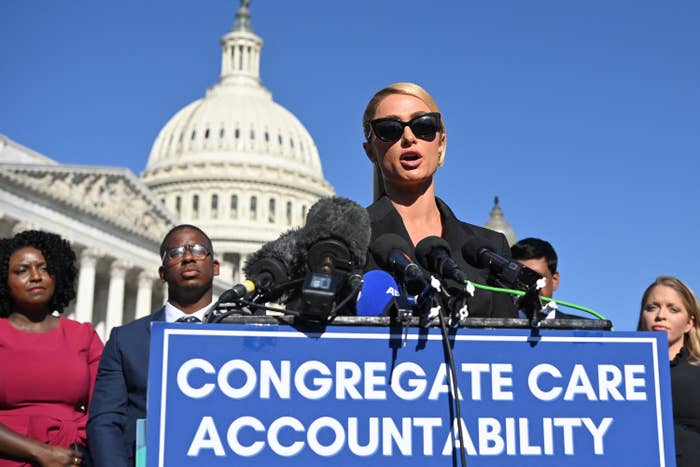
342,303
218,318
455,388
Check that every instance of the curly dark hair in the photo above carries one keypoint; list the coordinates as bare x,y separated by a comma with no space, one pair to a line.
60,261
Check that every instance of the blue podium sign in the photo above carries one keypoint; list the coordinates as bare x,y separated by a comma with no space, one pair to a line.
226,395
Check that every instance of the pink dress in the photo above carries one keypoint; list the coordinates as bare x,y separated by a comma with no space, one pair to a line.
46,381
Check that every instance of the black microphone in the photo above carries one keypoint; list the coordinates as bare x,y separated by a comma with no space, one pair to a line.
511,274
435,255
390,253
335,239
272,265
344,225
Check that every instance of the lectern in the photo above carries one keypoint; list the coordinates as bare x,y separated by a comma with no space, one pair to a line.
270,391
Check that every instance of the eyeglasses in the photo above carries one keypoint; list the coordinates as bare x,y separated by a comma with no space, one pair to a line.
390,129
196,250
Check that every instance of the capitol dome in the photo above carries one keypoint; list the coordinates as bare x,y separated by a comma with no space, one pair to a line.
236,163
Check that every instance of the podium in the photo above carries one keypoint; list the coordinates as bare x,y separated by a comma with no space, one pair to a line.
277,391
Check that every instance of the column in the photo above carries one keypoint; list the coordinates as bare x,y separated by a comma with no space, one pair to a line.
22,226
236,57
241,264
164,288
86,286
226,271
115,297
143,294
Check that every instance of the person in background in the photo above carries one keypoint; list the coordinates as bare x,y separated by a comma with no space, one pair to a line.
539,255
188,267
670,306
47,363
405,139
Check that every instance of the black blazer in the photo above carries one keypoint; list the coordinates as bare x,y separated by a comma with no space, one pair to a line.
385,219
119,398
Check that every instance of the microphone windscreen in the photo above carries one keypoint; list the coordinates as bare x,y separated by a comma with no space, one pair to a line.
337,218
377,293
285,249
382,247
472,249
424,249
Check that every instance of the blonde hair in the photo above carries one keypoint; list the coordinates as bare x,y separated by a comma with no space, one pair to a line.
408,89
692,338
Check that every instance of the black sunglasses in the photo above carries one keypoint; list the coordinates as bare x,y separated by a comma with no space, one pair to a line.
390,129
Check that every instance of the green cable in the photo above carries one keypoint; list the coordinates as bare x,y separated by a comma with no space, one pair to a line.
546,299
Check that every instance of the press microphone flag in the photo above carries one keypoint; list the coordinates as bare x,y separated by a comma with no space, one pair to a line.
378,294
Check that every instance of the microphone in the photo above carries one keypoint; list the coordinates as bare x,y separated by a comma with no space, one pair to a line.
390,252
275,263
342,223
380,295
511,274
435,255
335,239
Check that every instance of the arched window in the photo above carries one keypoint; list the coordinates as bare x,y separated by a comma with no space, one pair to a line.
289,213
178,205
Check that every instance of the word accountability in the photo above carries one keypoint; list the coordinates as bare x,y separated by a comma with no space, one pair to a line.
327,436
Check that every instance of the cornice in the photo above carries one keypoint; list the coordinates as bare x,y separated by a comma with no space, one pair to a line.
112,195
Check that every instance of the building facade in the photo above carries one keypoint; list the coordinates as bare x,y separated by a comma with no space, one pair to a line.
235,163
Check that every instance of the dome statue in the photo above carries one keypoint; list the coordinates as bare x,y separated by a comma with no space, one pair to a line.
499,224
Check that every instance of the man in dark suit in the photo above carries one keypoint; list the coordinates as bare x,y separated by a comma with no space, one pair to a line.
539,255
119,399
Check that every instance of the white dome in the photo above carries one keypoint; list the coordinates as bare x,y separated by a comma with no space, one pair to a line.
236,163
236,124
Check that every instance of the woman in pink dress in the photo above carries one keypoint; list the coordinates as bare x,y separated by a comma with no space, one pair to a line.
47,363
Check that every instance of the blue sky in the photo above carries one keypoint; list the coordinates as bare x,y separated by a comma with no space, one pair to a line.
583,117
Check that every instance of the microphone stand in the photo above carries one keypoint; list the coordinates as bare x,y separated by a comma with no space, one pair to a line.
531,305
444,299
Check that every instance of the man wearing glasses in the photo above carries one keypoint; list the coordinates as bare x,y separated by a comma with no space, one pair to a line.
119,398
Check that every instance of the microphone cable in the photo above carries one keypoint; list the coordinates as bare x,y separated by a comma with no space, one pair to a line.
546,299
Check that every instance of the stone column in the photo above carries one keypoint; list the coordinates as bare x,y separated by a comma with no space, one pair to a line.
164,288
86,286
235,57
22,226
115,297
143,295
243,261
